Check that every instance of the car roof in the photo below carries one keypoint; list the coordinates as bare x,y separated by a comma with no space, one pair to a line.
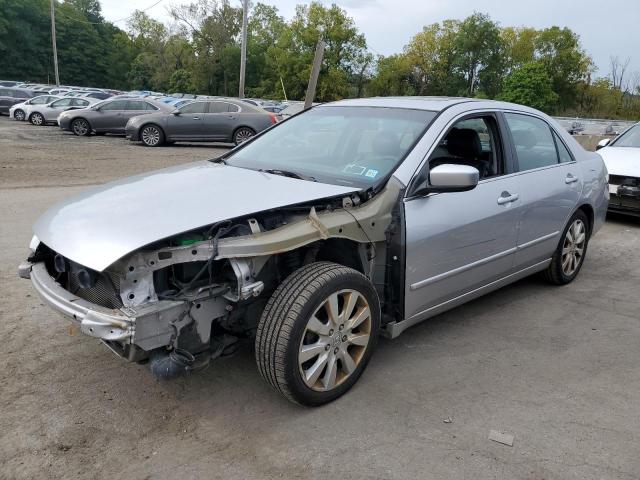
420,103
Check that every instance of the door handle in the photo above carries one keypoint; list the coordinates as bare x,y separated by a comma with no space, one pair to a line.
570,179
196,118
507,197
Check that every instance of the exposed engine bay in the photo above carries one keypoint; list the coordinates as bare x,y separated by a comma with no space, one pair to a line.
182,301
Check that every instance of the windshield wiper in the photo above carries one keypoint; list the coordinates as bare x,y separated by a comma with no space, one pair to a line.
288,173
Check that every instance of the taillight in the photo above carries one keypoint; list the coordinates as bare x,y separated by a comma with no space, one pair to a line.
274,119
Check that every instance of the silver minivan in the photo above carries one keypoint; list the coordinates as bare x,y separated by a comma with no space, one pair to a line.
353,219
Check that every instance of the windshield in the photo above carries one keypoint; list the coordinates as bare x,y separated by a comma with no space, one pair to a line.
630,138
356,146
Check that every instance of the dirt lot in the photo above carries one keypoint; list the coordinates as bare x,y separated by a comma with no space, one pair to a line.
558,368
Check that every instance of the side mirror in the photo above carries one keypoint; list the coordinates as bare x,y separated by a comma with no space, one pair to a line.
176,112
450,177
603,143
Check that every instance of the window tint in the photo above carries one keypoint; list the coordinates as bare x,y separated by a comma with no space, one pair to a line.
136,105
78,102
149,106
195,107
218,107
115,105
473,142
65,102
534,143
563,152
40,100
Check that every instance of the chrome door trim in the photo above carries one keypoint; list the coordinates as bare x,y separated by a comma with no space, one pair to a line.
464,268
483,261
393,329
536,241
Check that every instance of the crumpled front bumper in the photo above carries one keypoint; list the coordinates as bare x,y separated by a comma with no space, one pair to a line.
95,321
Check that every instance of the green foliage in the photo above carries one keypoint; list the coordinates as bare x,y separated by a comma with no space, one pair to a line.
530,85
180,81
200,52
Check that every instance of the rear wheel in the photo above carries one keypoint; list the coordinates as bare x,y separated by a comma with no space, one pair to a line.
317,333
569,256
19,115
152,135
37,119
81,127
242,135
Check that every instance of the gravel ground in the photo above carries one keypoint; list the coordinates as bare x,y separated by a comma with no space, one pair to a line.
558,368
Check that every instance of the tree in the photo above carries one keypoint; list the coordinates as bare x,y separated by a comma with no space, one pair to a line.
558,49
393,77
530,85
479,50
180,81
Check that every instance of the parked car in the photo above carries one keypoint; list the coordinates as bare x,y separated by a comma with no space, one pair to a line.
220,120
8,83
44,114
11,96
97,95
349,220
109,116
21,111
622,158
291,109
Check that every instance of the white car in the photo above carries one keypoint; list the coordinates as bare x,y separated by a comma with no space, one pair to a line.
622,158
21,111
48,113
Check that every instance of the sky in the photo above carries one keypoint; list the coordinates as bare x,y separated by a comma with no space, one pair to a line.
389,24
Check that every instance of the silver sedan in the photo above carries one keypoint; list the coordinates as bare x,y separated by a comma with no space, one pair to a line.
348,221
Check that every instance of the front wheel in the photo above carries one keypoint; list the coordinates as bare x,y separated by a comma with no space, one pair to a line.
152,136
81,127
37,119
242,135
18,115
317,333
569,256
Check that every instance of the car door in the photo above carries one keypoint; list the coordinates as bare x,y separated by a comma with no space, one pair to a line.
220,121
548,182
188,123
457,242
54,109
6,99
108,116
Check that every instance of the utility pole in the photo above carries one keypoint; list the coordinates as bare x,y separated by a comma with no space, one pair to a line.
315,72
243,50
53,39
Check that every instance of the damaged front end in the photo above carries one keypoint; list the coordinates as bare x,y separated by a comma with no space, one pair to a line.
182,301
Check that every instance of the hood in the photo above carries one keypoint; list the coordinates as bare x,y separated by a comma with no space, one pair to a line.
105,223
623,161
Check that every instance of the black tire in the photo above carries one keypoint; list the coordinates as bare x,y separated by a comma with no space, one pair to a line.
243,134
284,324
18,115
556,273
151,135
37,119
81,127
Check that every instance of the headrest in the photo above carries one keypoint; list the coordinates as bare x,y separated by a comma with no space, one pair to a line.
464,142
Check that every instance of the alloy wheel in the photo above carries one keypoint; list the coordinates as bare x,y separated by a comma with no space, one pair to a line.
18,115
80,127
573,247
243,135
150,136
334,340
37,119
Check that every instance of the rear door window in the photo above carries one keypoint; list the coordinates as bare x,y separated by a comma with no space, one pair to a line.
136,105
195,107
115,105
533,140
65,102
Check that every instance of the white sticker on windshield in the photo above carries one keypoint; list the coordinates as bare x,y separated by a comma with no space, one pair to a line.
354,169
371,173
